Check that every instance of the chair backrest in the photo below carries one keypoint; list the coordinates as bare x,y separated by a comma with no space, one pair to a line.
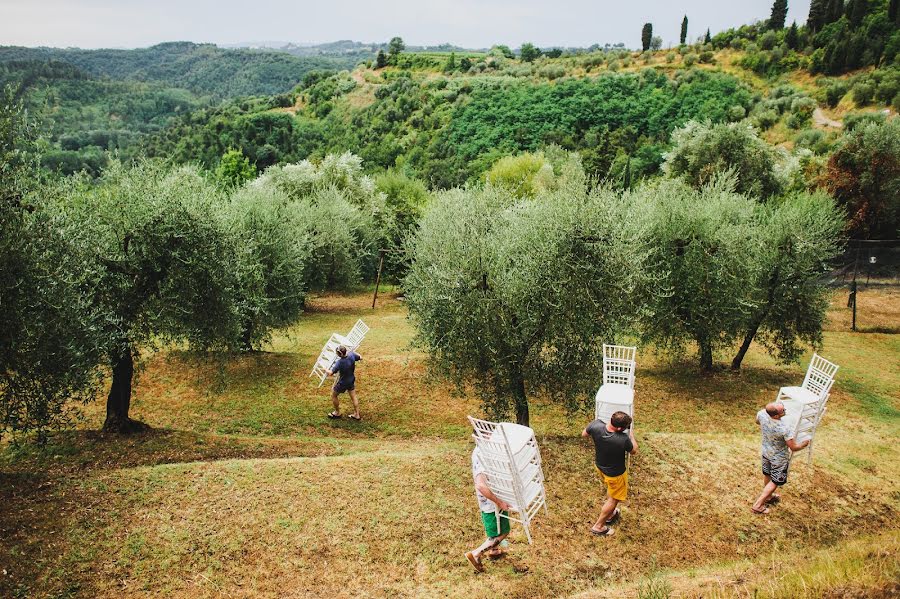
819,376
618,364
357,333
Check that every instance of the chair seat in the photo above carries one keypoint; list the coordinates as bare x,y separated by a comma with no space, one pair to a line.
517,435
798,394
530,492
615,393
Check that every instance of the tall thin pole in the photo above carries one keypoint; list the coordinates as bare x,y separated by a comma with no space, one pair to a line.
853,286
378,277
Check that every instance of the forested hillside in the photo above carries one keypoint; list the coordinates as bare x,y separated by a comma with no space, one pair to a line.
94,101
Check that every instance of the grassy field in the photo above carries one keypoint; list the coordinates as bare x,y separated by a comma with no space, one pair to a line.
245,489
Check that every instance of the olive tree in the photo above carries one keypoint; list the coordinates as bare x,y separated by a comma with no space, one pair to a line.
792,245
48,347
344,216
701,151
701,262
167,268
271,261
516,295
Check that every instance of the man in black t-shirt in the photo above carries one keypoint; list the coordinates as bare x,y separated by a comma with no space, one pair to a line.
611,444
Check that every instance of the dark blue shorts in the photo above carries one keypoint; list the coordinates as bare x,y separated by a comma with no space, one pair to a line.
340,387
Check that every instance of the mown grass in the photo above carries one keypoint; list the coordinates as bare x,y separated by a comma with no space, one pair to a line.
245,489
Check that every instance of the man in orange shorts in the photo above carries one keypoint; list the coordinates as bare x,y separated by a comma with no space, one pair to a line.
612,441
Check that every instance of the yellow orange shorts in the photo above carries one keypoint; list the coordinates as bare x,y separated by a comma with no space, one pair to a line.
616,486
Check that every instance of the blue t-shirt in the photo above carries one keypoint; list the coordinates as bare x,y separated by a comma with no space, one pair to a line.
345,368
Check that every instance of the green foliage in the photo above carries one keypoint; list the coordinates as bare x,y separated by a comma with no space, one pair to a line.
49,350
863,93
515,295
529,52
779,15
381,60
700,263
406,200
646,36
691,59
684,30
835,92
702,151
234,168
395,47
864,176
802,109
272,261
524,175
793,243
342,212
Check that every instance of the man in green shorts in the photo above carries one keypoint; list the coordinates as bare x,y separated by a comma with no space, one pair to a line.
490,506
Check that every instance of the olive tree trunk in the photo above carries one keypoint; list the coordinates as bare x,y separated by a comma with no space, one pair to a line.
118,402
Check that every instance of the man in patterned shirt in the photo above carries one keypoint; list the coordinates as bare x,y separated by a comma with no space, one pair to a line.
777,445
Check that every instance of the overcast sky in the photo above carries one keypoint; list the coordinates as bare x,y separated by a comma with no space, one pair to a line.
469,23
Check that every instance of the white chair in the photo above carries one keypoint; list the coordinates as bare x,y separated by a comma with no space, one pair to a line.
617,391
327,357
805,405
510,454
354,338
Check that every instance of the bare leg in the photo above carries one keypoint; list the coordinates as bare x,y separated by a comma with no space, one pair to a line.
335,402
355,402
766,493
488,544
608,508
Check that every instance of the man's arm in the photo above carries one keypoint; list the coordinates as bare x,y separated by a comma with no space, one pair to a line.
633,442
794,446
485,490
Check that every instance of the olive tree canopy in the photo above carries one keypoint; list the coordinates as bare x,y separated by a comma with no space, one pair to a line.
516,296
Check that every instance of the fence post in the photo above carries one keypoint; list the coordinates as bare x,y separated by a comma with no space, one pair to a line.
378,277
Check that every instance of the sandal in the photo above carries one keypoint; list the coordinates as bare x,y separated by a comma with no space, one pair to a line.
354,417
334,415
765,510
606,531
614,517
475,561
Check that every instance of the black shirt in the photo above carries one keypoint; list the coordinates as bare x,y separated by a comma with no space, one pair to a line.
609,448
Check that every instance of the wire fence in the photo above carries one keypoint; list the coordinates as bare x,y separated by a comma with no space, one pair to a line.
868,264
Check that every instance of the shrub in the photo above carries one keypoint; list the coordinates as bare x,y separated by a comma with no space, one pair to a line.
670,57
736,113
766,119
702,151
691,59
835,92
863,94
707,57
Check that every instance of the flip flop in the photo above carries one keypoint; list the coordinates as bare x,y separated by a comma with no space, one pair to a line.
765,510
606,531
334,416
614,517
354,417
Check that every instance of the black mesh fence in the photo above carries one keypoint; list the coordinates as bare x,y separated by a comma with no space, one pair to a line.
869,263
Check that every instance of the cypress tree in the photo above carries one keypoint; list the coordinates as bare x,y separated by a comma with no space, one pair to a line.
779,14
708,38
646,36
684,23
380,60
792,37
817,11
835,11
856,11
894,11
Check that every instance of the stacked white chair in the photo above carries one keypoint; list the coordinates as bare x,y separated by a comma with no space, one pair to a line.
617,391
328,355
355,337
805,405
510,454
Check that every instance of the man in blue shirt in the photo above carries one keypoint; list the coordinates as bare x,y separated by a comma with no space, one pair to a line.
344,367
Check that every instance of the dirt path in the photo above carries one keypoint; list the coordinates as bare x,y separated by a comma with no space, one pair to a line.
821,120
